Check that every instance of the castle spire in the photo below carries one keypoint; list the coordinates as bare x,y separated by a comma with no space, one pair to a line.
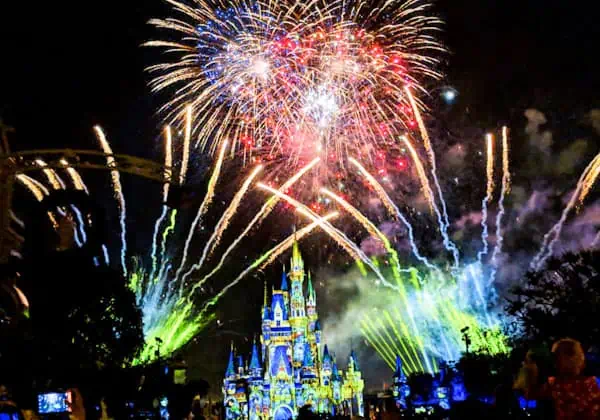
311,290
265,298
398,373
230,367
284,285
297,262
254,360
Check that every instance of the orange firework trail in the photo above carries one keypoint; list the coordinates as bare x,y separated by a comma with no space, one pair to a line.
587,179
186,144
116,182
266,209
168,171
425,187
75,177
350,247
488,195
37,189
269,257
51,174
39,192
203,207
394,210
503,192
445,223
223,223
287,243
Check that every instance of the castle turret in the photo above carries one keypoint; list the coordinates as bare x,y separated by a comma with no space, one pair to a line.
285,289
311,304
400,388
255,370
230,372
255,386
353,386
298,319
265,337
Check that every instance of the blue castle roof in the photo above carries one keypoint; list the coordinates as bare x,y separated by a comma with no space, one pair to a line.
278,301
230,367
284,285
254,360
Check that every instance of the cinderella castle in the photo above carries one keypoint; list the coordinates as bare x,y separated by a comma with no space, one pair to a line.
294,368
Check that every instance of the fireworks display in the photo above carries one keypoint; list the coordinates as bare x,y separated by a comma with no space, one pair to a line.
290,81
297,95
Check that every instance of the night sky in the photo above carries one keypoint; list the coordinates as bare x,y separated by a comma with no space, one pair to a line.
66,66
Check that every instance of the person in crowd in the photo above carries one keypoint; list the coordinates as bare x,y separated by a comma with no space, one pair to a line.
8,408
77,406
574,396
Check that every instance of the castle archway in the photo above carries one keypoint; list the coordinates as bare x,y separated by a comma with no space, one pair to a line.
284,412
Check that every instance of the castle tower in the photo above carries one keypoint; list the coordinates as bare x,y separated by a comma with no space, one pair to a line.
298,319
234,389
255,386
400,388
353,387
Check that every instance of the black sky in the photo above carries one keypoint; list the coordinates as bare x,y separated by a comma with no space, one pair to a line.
65,66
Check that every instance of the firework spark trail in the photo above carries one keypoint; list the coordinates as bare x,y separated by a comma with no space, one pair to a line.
588,177
425,186
287,243
58,184
168,176
167,232
51,174
448,244
223,223
75,177
81,232
589,182
210,192
428,193
186,144
116,182
258,218
37,189
269,257
105,253
504,191
348,245
488,196
39,192
394,210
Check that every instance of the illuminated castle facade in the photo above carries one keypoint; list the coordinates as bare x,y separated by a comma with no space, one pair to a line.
294,368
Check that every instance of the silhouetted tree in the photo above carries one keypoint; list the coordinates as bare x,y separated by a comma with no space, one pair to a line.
562,300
